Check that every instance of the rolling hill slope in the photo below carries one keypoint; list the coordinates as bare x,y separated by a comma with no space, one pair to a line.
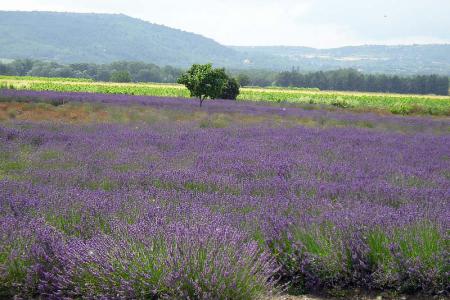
105,38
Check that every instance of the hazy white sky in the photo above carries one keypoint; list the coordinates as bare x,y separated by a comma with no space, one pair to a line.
316,23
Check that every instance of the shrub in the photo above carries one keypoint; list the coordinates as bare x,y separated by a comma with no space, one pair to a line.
341,103
406,109
231,89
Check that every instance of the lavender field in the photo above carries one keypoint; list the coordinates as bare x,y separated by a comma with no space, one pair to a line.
115,196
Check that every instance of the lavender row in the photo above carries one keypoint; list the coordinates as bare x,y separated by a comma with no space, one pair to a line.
224,106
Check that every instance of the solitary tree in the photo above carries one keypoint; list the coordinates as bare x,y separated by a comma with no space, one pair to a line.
203,81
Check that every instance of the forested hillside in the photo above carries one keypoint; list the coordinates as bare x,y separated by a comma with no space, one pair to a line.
106,38
103,38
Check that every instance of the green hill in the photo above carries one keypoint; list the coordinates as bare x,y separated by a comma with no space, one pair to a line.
103,38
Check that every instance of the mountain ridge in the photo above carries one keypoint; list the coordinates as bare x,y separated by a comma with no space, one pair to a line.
397,59
104,38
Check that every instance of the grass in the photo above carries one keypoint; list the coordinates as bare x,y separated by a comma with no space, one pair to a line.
75,223
419,243
15,266
356,101
11,165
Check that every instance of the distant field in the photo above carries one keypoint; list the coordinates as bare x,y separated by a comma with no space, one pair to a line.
393,103
52,79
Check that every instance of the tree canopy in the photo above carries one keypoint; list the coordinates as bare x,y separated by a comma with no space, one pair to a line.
204,81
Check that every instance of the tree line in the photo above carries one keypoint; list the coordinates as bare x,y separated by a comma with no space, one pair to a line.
340,80
352,80
115,72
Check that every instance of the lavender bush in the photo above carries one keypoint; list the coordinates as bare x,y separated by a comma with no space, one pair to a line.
190,210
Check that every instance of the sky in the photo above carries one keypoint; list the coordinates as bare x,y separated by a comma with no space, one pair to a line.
313,23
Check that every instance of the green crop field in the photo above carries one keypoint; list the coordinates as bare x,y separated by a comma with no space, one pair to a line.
393,103
30,78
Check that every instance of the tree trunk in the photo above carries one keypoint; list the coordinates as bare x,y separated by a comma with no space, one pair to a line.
201,101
